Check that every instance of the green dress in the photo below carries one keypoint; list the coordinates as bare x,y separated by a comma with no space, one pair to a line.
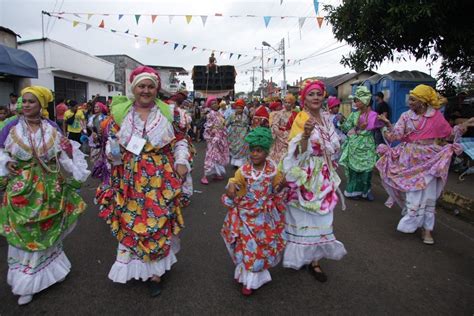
358,153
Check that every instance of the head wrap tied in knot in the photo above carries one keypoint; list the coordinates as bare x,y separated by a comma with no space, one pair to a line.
209,101
426,94
142,73
290,98
239,103
42,94
103,108
275,105
261,112
363,94
261,137
333,101
178,98
310,85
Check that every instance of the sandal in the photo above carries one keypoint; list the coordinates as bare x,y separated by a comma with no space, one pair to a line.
246,291
318,275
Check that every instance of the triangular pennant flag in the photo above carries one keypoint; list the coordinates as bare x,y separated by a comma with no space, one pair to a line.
126,32
120,16
89,16
194,47
75,23
238,56
153,18
155,40
230,56
316,6
184,46
204,19
281,2
203,49
268,60
165,42
77,15
267,20
102,24
218,14
113,31
88,26
274,61
175,46
189,18
171,18
288,61
220,54
137,17
320,20
148,40
301,22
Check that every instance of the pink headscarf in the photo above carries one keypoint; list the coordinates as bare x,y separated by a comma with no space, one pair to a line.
333,101
103,108
309,86
209,101
142,73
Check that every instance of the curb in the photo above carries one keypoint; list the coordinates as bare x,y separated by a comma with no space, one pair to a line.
457,204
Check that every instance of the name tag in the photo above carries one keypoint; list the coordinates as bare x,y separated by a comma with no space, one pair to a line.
136,145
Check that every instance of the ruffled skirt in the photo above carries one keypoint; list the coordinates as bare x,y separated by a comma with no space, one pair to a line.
309,238
251,280
129,266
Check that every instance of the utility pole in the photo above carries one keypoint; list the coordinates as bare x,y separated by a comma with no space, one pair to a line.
284,67
253,80
263,78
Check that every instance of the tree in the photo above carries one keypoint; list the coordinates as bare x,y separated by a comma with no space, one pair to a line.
381,30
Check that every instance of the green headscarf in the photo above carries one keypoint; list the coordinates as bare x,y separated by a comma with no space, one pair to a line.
19,104
260,137
363,94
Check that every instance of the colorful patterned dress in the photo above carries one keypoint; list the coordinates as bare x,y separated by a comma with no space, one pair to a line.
217,152
254,224
142,204
238,127
414,172
312,197
40,206
280,131
358,153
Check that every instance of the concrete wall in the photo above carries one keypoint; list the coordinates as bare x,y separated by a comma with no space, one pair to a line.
345,89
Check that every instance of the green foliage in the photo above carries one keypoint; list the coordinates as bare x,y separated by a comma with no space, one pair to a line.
380,30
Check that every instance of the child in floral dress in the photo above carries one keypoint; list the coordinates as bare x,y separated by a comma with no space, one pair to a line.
253,227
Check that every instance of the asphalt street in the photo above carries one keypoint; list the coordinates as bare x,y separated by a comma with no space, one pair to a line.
384,272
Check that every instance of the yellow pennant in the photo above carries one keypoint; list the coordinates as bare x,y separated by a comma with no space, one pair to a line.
189,18
148,40
75,23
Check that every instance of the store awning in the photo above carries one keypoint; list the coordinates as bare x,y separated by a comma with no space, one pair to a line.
17,62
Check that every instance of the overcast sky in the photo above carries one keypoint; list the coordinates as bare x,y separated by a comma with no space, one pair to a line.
238,35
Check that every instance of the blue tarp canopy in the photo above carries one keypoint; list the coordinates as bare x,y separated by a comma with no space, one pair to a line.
17,62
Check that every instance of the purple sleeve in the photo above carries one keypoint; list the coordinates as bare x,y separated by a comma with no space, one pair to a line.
6,130
372,121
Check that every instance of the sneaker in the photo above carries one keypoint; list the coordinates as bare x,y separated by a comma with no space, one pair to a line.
25,299
204,181
246,291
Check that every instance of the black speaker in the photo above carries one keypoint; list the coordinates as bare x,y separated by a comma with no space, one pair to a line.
222,78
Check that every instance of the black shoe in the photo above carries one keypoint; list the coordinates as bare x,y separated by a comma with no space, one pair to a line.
155,288
319,276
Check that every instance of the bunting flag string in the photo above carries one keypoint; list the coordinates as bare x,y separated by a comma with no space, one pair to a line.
151,40
189,17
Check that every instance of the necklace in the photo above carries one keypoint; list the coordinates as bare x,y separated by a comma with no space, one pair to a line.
34,152
255,174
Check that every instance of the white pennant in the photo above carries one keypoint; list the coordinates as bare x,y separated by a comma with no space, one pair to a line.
301,22
171,18
204,19
88,26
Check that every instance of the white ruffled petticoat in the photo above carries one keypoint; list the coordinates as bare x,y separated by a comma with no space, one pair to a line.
128,266
32,272
251,280
309,238
419,210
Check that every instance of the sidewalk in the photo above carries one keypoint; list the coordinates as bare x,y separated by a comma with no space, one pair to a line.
458,196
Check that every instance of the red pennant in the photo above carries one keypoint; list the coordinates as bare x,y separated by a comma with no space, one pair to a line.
153,18
194,47
102,24
320,20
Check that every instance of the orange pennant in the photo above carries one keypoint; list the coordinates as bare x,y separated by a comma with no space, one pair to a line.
320,20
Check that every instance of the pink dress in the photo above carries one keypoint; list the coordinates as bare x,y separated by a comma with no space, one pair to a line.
414,172
217,152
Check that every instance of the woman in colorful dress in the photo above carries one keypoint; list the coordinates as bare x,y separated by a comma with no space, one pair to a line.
93,124
40,206
260,117
358,151
414,172
217,151
280,126
238,126
149,154
313,182
254,224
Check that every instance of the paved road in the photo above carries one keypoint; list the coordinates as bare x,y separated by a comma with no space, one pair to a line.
385,272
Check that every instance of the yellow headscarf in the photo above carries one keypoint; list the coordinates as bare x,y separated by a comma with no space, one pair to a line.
43,95
427,95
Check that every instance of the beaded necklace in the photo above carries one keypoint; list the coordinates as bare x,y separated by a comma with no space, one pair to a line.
42,164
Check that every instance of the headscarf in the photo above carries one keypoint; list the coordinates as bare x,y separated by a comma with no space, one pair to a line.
239,103
363,94
261,137
290,98
42,94
103,107
275,105
426,94
261,112
178,98
333,101
19,104
209,100
310,85
142,73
